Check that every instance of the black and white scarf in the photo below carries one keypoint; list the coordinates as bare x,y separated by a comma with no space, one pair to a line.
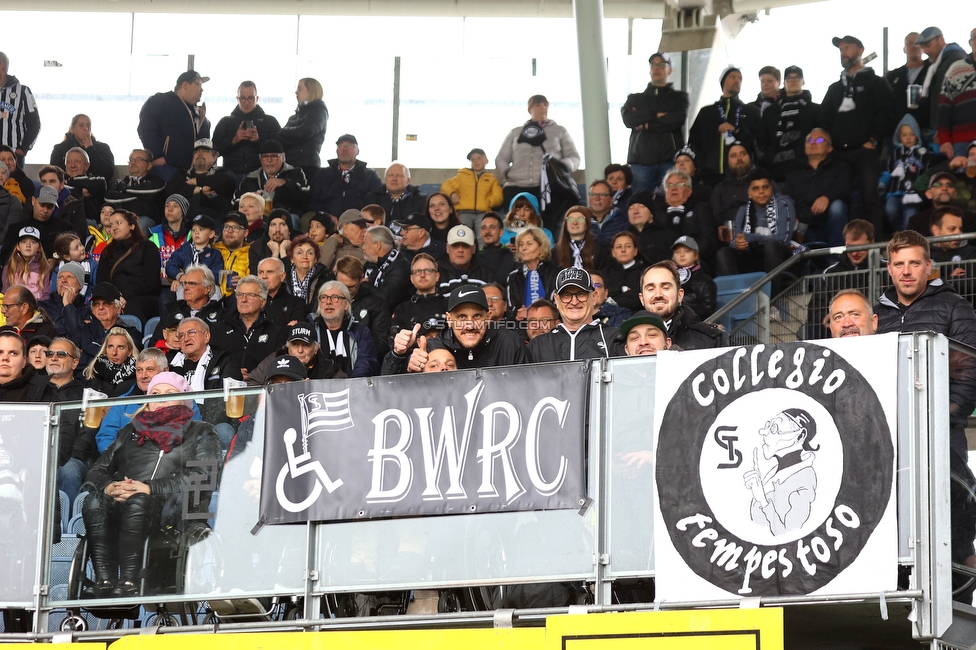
787,128
576,248
376,277
848,104
772,216
337,345
729,136
114,373
299,288
210,172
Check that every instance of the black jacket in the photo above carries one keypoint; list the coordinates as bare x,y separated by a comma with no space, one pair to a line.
212,313
369,308
247,348
497,348
624,284
169,474
872,117
81,326
70,424
898,79
221,365
322,367
137,275
451,278
500,260
701,293
696,221
100,156
592,341
727,197
49,230
783,130
331,194
394,283
412,200
243,157
661,137
831,178
167,128
516,285
941,310
303,134
654,241
417,309
291,196
29,387
218,203
707,142
144,195
689,333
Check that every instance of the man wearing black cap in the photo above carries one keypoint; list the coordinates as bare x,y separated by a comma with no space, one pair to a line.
469,339
344,183
235,251
300,343
784,125
474,191
238,135
643,334
207,187
415,237
579,335
281,184
397,196
718,126
88,327
940,56
942,192
857,112
656,119
386,267
170,122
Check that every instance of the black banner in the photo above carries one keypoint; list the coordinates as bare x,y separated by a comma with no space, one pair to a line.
493,440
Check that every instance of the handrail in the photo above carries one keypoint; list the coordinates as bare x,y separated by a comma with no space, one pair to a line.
819,252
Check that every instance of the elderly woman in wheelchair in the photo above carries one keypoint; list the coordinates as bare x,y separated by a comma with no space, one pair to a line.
138,486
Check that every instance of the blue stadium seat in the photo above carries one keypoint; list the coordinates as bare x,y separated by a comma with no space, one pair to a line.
130,321
76,526
730,286
76,506
430,188
65,509
150,329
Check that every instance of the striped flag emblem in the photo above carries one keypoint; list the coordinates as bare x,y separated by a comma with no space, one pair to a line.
325,412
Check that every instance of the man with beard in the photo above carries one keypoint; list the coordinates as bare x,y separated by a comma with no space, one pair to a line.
849,272
821,190
468,338
856,111
733,192
942,193
495,256
207,187
344,183
643,334
941,56
282,185
685,218
341,336
238,136
661,294
579,335
300,343
851,314
948,221
275,240
721,125
784,125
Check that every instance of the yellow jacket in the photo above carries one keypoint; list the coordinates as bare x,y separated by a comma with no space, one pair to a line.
237,261
481,194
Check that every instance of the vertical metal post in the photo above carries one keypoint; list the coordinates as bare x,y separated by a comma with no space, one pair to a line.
685,82
48,490
884,53
630,36
600,391
189,61
593,86
396,106
874,270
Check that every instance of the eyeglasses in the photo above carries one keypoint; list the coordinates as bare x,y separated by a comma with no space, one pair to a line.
577,219
233,228
269,156
659,64
816,140
597,285
567,298
191,283
187,334
331,299
676,186
492,298
947,185
248,296
61,354
423,272
599,195
5,306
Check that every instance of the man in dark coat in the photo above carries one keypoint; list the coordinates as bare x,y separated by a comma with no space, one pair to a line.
913,72
821,190
656,119
345,182
238,136
208,188
785,124
398,197
281,184
170,122
661,294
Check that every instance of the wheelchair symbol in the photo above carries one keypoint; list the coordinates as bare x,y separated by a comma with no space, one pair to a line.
297,466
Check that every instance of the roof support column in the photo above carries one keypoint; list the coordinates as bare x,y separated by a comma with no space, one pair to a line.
593,86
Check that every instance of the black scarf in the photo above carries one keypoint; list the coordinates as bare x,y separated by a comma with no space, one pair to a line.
788,127
376,277
533,133
114,373
752,219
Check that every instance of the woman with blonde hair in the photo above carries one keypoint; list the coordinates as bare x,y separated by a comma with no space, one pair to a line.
304,132
113,370
534,276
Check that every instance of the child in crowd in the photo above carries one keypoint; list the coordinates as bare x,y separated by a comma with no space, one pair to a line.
197,249
623,274
68,248
523,212
908,160
99,235
172,233
28,265
701,293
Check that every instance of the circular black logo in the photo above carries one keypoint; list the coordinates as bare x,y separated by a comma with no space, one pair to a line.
774,467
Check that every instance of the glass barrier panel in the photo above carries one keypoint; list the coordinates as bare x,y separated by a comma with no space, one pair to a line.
22,460
191,534
629,427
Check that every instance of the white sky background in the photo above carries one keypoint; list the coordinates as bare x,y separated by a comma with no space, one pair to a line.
463,82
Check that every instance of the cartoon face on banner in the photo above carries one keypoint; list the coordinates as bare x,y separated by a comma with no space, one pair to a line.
774,467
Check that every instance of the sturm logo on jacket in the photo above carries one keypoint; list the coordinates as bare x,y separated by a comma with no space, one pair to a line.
792,464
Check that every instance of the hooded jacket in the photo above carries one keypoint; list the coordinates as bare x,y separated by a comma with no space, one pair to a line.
478,192
330,192
303,134
906,164
871,117
243,157
662,136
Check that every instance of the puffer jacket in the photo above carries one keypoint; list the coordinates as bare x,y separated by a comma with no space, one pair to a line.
481,193
237,261
661,137
592,341
689,333
939,309
303,134
138,275
166,473
519,164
